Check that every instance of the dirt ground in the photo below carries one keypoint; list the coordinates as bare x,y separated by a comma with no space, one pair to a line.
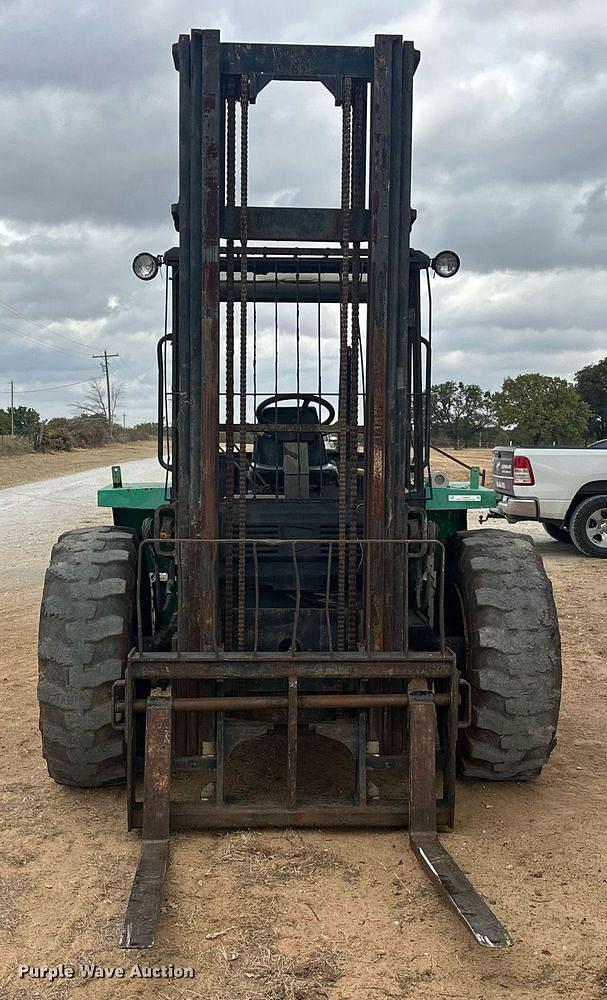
29,466
315,915
481,457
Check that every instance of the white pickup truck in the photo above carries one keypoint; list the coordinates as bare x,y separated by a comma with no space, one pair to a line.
564,488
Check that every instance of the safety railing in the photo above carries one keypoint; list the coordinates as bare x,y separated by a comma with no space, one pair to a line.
292,577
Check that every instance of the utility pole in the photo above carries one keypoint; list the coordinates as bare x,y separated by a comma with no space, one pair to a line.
12,409
124,420
104,358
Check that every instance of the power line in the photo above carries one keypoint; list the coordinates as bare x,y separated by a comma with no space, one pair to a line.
51,388
38,343
41,326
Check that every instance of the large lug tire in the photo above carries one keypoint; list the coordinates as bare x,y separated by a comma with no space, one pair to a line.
86,631
588,527
499,592
557,533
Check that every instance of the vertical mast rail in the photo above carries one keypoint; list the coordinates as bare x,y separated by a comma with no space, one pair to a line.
182,472
187,739
206,173
194,286
404,440
208,318
377,357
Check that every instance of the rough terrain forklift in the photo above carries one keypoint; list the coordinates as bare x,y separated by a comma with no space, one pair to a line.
301,584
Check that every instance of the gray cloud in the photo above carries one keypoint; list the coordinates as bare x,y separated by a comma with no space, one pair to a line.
509,168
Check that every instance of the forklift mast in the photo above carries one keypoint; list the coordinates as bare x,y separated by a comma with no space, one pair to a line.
354,255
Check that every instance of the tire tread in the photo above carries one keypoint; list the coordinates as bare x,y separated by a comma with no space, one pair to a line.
514,655
84,637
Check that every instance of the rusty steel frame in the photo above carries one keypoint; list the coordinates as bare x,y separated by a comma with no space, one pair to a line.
463,898
216,548
206,160
373,641
146,892
295,668
423,813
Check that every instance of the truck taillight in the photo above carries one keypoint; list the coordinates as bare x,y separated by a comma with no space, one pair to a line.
522,471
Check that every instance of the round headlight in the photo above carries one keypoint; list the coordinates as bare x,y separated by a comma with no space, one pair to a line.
145,266
446,263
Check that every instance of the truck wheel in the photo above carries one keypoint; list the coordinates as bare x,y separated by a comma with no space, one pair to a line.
557,533
588,527
86,631
500,600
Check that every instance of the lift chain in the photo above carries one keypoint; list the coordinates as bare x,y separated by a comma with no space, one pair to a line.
242,476
357,198
346,160
230,201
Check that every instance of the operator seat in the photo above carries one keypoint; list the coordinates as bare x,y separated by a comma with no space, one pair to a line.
291,463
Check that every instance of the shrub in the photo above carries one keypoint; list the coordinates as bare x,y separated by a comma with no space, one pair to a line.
89,432
55,435
14,445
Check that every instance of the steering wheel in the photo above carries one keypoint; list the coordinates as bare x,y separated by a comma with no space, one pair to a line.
306,397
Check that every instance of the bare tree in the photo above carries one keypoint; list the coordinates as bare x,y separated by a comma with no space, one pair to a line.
94,403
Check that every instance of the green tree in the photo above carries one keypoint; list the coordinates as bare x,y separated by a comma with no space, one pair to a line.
461,411
26,421
591,383
542,410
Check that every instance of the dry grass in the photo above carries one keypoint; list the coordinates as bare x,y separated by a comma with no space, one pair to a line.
33,991
251,861
252,967
21,467
11,888
249,962
14,445
408,982
273,975
482,457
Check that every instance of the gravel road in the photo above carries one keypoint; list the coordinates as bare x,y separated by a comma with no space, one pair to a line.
34,514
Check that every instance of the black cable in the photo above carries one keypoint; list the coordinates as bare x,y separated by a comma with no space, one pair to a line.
38,343
41,326
48,388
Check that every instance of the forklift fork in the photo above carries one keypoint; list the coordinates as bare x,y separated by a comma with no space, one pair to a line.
143,908
469,905
146,893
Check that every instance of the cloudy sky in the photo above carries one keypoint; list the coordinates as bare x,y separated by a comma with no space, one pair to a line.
510,169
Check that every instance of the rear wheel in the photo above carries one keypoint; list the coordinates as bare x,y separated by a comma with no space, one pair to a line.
588,527
86,631
558,533
500,599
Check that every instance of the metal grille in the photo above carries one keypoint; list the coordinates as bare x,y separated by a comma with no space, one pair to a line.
306,570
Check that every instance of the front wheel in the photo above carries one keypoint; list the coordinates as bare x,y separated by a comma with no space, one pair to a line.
86,632
588,527
499,599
